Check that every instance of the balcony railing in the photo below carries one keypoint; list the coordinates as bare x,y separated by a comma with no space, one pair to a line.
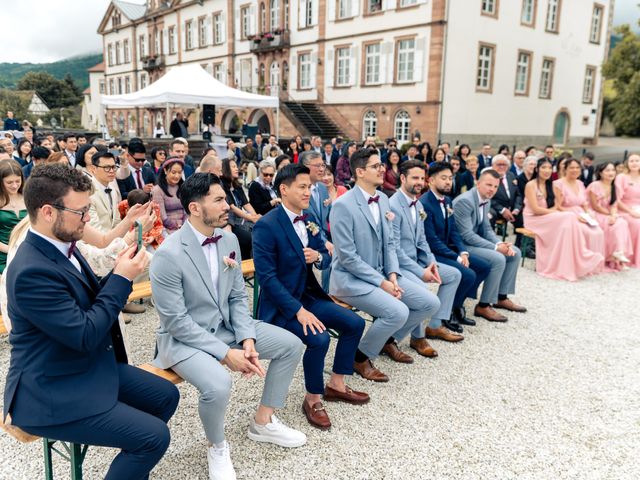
152,62
268,42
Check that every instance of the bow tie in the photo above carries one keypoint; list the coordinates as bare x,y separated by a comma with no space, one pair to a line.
210,240
108,191
300,218
442,201
373,199
483,204
413,204
72,248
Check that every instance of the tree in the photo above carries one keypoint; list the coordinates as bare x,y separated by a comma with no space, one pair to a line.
56,93
10,102
623,67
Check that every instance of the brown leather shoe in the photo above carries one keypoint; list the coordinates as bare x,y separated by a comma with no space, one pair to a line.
349,396
489,313
443,333
133,308
368,371
316,415
507,304
421,346
397,355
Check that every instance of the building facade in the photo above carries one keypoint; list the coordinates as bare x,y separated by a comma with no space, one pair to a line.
456,70
92,111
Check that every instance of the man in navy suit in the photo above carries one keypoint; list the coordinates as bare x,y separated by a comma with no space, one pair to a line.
484,159
68,375
286,245
446,243
133,172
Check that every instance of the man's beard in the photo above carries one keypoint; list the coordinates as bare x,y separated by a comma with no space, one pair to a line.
443,192
64,235
215,222
415,190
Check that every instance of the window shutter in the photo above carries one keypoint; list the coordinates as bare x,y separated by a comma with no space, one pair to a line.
389,4
223,28
302,14
331,10
355,8
386,62
353,65
314,64
314,12
418,59
165,41
329,69
237,26
252,20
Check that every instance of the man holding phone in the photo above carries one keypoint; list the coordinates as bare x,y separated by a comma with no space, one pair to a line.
133,173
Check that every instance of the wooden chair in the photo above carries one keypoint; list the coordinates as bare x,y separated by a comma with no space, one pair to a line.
527,238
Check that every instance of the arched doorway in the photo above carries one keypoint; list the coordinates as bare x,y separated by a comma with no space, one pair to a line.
230,122
561,127
260,118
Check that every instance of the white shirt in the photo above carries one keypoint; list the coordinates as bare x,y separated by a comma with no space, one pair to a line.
72,157
211,254
505,183
481,207
110,199
442,207
135,177
374,208
299,227
412,209
63,247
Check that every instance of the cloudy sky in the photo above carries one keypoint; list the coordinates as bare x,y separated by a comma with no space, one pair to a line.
46,30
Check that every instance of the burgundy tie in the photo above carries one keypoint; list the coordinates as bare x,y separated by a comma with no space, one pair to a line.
72,248
373,199
210,240
139,179
301,218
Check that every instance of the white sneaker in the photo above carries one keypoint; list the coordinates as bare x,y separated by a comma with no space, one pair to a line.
220,466
276,432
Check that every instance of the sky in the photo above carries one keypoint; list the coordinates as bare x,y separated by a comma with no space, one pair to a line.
46,30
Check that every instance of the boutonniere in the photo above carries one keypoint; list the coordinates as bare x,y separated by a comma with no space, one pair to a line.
230,261
313,228
389,216
449,210
423,215
327,202
515,182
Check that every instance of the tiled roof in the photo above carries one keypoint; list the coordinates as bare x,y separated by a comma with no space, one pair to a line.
97,68
133,11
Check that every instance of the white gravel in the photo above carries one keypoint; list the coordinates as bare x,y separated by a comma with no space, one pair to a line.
553,393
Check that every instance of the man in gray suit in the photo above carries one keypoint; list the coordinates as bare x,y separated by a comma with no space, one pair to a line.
365,270
470,211
205,324
418,264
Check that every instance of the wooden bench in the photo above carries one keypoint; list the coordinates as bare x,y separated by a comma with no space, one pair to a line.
527,238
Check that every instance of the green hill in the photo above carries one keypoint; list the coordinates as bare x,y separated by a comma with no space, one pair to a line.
11,73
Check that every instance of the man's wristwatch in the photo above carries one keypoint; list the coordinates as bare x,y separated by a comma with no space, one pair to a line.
318,262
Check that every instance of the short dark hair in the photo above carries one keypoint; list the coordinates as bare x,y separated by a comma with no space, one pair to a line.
81,135
95,158
136,147
409,164
137,196
588,155
288,175
40,153
549,146
196,187
281,158
490,171
49,183
69,135
437,167
359,159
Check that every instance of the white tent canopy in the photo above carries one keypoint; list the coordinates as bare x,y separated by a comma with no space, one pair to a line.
189,85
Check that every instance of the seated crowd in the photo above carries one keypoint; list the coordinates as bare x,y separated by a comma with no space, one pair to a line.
405,236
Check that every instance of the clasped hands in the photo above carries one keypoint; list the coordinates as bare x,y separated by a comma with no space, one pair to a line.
505,249
245,361
391,286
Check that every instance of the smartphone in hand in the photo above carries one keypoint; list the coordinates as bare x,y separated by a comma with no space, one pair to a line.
138,225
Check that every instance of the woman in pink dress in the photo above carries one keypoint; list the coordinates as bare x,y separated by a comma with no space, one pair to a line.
571,196
561,251
628,191
604,201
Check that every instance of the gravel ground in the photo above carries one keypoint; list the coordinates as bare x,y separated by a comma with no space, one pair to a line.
553,393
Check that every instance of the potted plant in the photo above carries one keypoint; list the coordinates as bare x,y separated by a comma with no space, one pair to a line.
269,36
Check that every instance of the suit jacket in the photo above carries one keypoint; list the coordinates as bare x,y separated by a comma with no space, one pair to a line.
501,200
333,159
319,211
412,248
249,154
129,183
282,272
474,229
104,215
65,337
463,182
191,315
357,245
260,198
588,178
174,127
484,161
441,232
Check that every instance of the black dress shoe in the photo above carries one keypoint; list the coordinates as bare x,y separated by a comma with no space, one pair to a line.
459,315
453,326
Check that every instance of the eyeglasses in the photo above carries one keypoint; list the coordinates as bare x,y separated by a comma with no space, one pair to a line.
375,166
317,165
82,213
161,153
108,168
268,175
139,159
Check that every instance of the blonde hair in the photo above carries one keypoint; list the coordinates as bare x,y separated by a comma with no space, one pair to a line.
18,232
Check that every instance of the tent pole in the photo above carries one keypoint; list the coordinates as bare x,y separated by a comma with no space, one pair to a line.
278,121
167,121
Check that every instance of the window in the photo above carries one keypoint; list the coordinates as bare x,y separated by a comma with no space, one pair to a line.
143,46
596,23
344,9
143,80
119,85
407,3
553,16
110,54
372,64
523,69
286,14
171,38
401,126
112,90
156,42
528,14
490,8
274,14
370,124
304,61
343,60
117,53
546,78
484,78
127,85
218,72
116,20
589,83
263,18
202,33
101,87
245,22
308,12
373,6
188,31
125,51
217,28
405,60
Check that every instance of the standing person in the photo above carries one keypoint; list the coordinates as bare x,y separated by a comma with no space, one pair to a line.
343,170
71,147
586,172
167,195
471,211
205,325
628,187
134,173
158,131
329,181
68,376
12,208
365,270
485,157
180,149
604,201
286,246
561,250
262,195
179,126
11,123
417,262
392,173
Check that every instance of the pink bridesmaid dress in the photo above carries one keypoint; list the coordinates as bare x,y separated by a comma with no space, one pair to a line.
574,201
561,250
628,192
616,236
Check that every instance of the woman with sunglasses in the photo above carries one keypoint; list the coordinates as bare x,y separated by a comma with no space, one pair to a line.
262,196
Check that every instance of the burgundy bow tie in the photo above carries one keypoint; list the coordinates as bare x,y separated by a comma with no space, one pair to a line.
442,201
72,248
301,218
210,240
413,204
373,199
483,204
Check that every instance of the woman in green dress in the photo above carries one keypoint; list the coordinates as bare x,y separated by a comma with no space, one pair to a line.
12,208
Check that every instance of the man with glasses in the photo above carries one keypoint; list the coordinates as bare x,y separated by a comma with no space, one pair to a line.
506,204
133,172
68,375
365,271
106,195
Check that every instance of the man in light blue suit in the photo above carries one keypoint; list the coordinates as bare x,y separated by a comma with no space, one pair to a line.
417,263
366,273
470,211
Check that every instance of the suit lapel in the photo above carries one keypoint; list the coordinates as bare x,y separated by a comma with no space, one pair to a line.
196,255
406,211
222,252
290,233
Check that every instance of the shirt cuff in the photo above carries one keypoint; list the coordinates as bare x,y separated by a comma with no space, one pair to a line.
464,253
122,276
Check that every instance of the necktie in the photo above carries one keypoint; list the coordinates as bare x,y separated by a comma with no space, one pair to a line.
373,199
139,179
210,240
72,248
506,186
300,218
